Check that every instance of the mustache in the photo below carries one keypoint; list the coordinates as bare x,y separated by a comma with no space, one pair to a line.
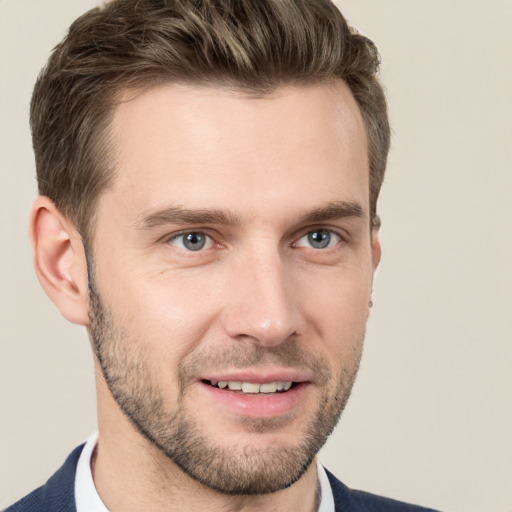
246,355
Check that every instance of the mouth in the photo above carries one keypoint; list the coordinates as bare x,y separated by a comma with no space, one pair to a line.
252,388
256,394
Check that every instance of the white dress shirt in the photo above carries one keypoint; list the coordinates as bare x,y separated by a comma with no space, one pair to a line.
88,500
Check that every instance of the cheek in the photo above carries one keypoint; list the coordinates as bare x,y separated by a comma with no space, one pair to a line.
336,304
170,316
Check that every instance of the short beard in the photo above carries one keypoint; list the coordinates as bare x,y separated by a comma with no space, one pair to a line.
239,470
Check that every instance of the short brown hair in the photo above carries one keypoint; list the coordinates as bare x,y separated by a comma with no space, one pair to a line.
252,45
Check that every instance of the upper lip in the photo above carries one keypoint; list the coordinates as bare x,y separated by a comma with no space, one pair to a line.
259,376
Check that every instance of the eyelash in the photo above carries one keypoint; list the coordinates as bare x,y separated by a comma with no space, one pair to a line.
209,240
332,236
180,236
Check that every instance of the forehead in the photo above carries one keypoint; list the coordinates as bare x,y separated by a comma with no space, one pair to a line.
219,148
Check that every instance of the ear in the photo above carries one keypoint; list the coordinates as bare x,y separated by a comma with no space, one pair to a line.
376,254
376,248
59,260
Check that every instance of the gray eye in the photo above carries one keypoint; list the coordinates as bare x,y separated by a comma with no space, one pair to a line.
319,239
192,241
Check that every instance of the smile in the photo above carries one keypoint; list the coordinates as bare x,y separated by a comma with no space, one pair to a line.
251,387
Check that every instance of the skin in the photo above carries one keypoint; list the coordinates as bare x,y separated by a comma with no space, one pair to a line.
256,176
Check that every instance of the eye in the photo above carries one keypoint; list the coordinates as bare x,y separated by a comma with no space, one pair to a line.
319,239
192,241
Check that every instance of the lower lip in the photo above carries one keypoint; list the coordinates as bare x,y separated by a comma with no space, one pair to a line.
257,405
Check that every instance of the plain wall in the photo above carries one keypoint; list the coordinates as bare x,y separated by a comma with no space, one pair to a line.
430,419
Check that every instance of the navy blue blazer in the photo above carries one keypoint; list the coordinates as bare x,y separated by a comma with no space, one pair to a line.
58,495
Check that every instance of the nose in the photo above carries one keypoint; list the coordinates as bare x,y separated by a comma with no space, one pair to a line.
261,303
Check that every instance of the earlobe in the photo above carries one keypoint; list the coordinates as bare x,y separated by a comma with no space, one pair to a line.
59,260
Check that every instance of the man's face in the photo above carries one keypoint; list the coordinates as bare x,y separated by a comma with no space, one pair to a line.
231,271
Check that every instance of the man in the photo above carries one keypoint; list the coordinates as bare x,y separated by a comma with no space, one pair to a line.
208,175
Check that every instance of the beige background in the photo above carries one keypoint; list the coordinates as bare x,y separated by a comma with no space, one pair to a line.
430,419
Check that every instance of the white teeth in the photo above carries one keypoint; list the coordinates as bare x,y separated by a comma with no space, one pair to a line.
250,387
270,387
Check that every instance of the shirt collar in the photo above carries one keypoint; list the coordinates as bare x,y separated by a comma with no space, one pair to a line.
88,500
86,497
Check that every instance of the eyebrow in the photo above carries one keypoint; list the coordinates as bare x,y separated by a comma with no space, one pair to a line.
177,215
336,210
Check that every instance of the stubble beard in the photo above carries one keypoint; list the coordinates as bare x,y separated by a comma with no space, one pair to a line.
237,470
